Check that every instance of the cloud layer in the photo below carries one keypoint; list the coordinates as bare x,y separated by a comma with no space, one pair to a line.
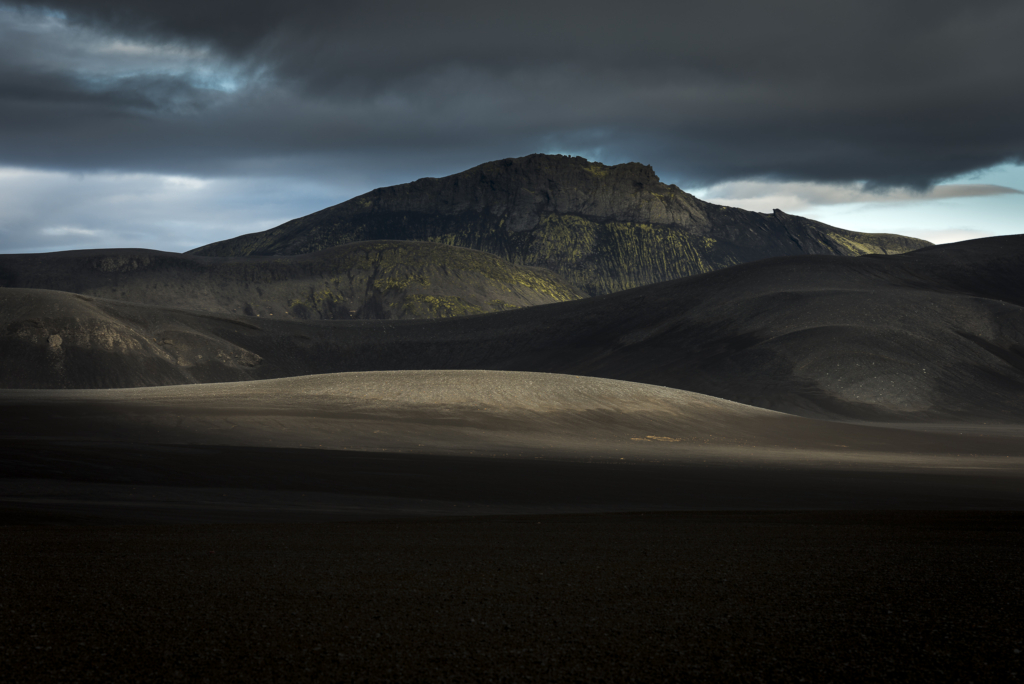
765,196
886,92
55,210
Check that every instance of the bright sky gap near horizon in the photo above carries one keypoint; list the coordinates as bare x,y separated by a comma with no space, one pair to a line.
172,125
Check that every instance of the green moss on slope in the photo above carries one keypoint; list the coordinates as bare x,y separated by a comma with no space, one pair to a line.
596,257
430,306
366,280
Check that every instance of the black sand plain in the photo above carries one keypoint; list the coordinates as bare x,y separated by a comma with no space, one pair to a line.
498,526
484,521
666,597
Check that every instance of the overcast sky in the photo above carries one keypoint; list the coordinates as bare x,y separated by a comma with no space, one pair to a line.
168,125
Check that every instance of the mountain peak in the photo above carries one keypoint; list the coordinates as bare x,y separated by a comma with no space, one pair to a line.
523,190
603,228
567,166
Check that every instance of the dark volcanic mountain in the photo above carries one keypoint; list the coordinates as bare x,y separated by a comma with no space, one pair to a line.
359,280
603,228
937,334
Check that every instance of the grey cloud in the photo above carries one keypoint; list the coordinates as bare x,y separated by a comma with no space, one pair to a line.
971,190
795,196
892,93
144,210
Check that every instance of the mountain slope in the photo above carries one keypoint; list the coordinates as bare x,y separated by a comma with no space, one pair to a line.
603,228
937,334
359,280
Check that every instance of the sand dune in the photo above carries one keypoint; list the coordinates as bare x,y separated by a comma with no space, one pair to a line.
437,410
350,445
458,411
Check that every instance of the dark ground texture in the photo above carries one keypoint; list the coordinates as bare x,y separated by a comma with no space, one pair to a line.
781,597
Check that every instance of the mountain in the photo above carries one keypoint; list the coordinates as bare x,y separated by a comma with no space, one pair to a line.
359,280
602,228
937,334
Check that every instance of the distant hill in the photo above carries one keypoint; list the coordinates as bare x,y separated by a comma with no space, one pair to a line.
359,280
937,334
602,228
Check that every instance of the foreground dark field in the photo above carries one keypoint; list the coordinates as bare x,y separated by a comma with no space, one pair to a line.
908,596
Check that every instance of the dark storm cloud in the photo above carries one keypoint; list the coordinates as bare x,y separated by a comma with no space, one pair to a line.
887,92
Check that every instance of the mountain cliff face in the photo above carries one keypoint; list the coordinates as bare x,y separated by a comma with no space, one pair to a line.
382,280
603,228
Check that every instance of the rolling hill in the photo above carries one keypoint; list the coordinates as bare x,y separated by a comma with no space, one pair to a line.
937,334
359,280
